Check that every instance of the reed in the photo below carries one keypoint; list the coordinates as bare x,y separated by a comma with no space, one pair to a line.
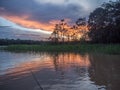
86,48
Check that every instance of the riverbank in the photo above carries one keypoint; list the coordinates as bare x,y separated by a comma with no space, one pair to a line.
94,48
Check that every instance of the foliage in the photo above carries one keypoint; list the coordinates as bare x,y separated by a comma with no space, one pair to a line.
104,23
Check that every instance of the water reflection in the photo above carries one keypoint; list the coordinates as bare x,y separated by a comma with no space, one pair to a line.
105,70
59,71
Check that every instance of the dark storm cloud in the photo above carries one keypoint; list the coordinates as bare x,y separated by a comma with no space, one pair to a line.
16,6
55,12
38,12
46,10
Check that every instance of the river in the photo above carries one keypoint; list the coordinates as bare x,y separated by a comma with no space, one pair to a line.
59,71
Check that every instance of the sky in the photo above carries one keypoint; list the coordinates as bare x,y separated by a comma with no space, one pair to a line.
13,25
44,14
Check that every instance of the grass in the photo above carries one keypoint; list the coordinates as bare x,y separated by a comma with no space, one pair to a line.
85,48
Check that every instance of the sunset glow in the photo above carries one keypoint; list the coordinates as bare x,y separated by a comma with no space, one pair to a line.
31,24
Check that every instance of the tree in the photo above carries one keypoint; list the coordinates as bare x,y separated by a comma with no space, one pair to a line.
80,29
59,31
63,30
104,23
55,33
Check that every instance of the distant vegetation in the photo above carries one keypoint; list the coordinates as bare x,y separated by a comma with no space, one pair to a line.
32,42
18,41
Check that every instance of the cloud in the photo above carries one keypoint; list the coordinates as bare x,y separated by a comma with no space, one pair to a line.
86,4
29,23
41,12
51,1
7,23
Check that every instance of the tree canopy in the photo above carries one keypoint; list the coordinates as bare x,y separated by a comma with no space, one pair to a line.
104,23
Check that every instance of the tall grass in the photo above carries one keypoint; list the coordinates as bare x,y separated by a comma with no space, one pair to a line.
95,48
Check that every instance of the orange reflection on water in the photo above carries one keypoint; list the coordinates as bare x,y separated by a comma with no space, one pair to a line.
53,62
66,60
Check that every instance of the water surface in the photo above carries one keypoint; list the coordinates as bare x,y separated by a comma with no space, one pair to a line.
59,71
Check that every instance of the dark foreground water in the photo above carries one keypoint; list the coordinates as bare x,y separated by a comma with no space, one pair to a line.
59,71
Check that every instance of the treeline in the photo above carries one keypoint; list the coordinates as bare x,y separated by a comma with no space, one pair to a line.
18,41
32,42
103,26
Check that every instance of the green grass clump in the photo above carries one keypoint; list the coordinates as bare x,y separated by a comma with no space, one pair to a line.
95,48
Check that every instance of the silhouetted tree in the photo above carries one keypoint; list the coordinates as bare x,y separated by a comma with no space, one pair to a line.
63,29
74,32
64,32
59,32
55,33
104,23
78,30
81,22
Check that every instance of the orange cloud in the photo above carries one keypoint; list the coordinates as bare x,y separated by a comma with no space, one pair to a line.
23,21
